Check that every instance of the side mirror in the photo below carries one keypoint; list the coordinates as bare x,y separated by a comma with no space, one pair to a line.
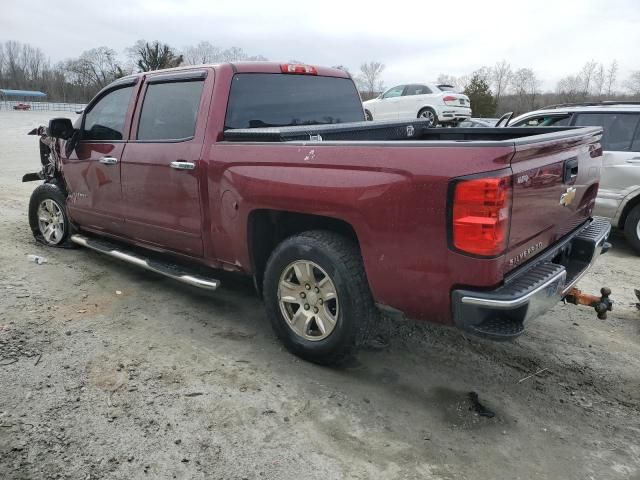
60,128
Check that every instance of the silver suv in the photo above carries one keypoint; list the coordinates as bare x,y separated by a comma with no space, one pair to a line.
619,193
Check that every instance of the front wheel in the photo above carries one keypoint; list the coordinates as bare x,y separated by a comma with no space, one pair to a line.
632,228
317,296
368,116
430,115
48,216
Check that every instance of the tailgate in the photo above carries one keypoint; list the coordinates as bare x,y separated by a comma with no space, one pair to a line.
555,182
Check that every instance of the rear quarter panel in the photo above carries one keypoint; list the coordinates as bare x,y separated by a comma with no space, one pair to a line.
394,196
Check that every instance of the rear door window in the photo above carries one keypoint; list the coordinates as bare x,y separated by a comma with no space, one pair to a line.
619,128
416,90
544,121
277,100
169,110
106,119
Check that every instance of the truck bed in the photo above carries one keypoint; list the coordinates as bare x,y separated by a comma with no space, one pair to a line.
389,131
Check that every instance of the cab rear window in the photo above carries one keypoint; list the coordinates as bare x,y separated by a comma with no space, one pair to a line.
276,100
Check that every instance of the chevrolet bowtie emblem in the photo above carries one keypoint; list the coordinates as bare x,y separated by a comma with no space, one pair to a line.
567,197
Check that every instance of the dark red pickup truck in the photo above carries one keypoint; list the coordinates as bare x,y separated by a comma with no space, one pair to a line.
271,170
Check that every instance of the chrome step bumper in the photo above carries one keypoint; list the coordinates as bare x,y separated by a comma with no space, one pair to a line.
502,314
179,273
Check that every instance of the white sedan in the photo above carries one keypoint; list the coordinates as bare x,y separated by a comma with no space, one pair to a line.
437,103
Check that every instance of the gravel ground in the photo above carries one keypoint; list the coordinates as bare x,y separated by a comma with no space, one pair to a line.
107,371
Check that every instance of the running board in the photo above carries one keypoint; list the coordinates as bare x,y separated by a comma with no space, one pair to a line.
167,269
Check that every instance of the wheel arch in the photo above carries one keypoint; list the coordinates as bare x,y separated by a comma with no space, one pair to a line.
426,106
266,228
429,107
629,205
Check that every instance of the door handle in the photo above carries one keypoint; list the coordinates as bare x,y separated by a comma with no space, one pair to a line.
182,165
108,160
634,160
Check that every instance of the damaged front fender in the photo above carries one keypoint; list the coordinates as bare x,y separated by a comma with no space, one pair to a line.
49,156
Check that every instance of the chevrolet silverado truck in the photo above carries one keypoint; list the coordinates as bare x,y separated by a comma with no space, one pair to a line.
271,170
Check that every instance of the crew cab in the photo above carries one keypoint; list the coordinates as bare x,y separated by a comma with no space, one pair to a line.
437,104
271,170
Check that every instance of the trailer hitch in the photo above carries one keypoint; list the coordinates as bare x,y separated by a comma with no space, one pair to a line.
601,305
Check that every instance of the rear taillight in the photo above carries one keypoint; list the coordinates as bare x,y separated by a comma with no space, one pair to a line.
449,98
481,213
298,68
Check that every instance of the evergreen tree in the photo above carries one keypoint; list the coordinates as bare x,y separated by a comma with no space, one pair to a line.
482,102
154,56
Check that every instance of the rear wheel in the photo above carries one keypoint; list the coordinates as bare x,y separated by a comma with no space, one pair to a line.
48,217
317,296
368,115
632,228
430,115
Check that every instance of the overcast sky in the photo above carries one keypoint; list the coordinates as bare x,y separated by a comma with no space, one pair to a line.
416,40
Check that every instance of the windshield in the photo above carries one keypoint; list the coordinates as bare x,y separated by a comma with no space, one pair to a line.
277,100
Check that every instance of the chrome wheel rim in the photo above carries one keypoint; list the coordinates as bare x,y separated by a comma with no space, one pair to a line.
638,230
308,300
51,221
428,114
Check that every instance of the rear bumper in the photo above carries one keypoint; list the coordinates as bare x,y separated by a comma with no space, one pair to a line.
502,314
448,113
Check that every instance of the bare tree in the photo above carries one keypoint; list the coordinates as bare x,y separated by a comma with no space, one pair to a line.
598,81
571,88
233,54
15,66
501,77
369,79
526,87
611,77
586,74
633,83
203,52
22,65
96,68
482,73
459,83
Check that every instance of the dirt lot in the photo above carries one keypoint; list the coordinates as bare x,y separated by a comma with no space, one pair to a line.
111,372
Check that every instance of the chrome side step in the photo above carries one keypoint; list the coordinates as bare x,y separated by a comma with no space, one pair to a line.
176,272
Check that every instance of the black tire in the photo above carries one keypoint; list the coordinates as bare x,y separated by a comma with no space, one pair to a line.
434,116
50,191
631,228
368,116
340,258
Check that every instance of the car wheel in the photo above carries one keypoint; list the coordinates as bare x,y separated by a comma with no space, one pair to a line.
430,115
48,217
317,296
632,228
368,116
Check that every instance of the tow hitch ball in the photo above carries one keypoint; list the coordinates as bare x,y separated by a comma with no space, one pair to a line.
601,305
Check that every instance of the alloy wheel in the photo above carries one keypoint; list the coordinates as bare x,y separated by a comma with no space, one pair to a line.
51,221
308,300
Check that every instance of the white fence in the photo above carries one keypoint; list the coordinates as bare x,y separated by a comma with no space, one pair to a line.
43,106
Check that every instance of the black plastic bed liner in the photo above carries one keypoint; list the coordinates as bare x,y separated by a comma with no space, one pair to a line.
390,130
